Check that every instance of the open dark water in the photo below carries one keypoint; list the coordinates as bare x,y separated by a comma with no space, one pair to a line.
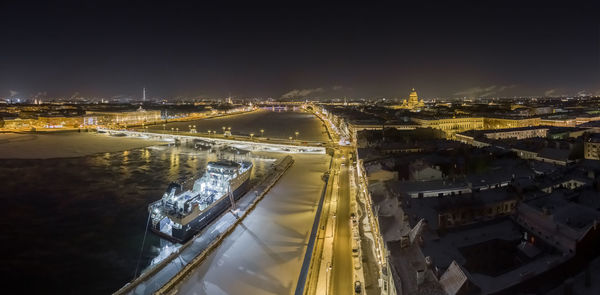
275,125
75,225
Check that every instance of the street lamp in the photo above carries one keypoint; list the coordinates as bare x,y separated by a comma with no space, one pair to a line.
290,138
177,130
223,129
251,136
262,132
164,126
296,134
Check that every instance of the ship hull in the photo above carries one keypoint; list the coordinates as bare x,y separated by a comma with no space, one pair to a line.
203,219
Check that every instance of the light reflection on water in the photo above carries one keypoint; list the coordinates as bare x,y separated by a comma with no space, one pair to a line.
75,225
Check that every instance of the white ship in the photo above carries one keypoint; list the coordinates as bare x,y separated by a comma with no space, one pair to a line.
181,213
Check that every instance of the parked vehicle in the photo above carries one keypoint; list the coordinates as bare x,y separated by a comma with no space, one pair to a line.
358,287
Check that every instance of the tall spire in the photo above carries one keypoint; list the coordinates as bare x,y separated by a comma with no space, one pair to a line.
144,94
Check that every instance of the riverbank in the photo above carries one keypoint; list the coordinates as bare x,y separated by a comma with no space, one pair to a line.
189,119
65,145
205,242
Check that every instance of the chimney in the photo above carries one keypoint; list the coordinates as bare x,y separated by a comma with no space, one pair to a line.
428,261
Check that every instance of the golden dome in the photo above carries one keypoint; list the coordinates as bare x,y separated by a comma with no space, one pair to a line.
412,102
413,95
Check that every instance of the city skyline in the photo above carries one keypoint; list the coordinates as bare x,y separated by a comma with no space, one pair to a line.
191,50
317,94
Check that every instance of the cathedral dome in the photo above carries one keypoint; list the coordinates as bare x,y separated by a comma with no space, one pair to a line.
413,95
413,101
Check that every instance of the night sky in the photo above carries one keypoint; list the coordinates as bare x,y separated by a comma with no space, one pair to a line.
312,50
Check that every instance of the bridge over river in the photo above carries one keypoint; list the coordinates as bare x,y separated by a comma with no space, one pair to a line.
249,143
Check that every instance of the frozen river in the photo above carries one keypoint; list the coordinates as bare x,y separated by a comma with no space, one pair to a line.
75,225
265,252
65,145
74,211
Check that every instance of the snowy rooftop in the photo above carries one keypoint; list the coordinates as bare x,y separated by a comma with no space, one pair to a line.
429,208
449,248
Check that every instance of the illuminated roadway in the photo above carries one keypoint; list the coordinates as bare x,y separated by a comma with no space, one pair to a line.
342,278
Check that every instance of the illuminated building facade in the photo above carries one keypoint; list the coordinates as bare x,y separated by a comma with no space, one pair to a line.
141,116
560,121
451,125
591,147
502,123
18,123
517,133
59,122
51,122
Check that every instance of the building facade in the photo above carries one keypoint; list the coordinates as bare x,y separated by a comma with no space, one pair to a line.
591,147
501,123
517,133
141,116
451,126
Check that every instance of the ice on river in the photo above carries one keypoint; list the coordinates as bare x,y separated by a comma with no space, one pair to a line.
264,254
65,145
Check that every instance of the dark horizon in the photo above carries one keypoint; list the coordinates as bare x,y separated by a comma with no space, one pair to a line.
326,50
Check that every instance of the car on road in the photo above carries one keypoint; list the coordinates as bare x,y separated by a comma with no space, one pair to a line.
358,287
355,250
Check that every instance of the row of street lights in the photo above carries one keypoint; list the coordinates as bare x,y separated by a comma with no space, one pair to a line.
193,129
